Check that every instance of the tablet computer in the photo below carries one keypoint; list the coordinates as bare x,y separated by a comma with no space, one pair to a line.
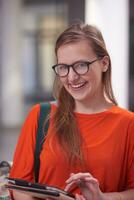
38,190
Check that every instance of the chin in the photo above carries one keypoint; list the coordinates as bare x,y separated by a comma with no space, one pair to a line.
78,98
80,95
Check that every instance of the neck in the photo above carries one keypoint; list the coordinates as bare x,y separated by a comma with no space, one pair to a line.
95,106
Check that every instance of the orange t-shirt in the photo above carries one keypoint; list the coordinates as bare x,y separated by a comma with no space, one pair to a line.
108,147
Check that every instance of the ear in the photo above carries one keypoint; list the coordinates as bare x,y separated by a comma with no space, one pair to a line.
105,63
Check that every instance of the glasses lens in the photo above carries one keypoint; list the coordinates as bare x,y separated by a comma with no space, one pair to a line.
61,70
81,67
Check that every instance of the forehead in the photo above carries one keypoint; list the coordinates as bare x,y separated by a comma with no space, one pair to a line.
72,52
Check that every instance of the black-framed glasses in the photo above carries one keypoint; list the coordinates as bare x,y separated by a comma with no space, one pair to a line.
79,67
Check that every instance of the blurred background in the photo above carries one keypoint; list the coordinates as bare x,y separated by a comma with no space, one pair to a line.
28,31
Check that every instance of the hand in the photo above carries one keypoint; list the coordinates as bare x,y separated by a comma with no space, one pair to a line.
88,185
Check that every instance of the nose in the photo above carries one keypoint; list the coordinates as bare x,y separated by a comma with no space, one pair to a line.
72,75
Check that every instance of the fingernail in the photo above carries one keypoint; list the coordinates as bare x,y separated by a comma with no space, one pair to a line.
71,174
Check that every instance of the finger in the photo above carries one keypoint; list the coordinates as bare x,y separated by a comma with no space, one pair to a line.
71,174
70,186
79,197
84,179
92,184
81,183
49,199
78,176
67,188
91,180
76,183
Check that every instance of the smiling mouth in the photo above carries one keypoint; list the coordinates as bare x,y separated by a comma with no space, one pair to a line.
77,86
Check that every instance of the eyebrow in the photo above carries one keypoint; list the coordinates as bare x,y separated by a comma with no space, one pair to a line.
74,62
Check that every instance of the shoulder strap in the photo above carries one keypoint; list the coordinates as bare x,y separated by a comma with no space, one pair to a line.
41,132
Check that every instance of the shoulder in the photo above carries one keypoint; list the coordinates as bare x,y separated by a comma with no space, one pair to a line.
35,109
30,124
123,119
124,113
127,121
33,112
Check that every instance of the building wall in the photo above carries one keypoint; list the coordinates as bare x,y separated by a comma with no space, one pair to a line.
112,17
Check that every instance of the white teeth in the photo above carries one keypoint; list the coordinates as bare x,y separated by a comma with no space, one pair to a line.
78,85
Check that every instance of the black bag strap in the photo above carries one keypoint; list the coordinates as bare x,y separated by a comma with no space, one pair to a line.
41,133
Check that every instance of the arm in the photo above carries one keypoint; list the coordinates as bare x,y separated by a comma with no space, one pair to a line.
21,196
24,154
23,162
90,190
125,195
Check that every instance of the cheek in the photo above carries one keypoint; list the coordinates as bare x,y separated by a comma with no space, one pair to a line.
90,76
63,81
94,76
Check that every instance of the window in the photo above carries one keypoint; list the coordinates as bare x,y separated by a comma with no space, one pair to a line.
42,21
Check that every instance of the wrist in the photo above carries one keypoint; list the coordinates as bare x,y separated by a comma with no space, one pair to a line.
113,196
119,196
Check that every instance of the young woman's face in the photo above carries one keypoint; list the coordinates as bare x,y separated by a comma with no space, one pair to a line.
82,87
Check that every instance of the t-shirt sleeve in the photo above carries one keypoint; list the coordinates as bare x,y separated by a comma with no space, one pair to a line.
130,169
23,161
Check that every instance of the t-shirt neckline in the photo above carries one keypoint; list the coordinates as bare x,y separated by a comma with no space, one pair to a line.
109,110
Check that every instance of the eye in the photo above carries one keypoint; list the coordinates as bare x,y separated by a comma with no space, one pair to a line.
80,65
61,68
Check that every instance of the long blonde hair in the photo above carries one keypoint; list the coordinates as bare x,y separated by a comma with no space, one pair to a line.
65,124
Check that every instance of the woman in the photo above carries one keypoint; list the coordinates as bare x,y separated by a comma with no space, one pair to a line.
89,147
